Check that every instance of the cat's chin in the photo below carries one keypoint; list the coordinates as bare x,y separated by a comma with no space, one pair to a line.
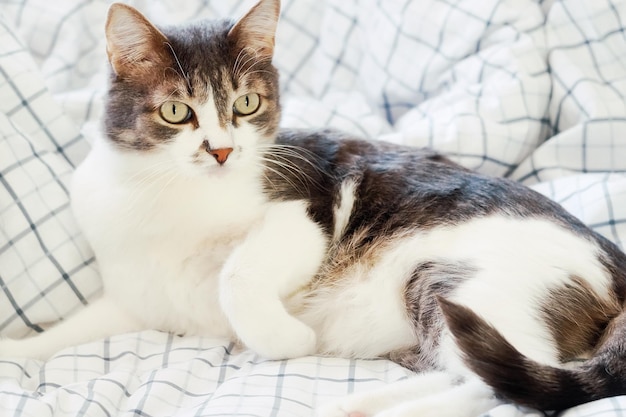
215,171
220,171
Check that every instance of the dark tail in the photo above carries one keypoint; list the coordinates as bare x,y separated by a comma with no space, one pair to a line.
526,382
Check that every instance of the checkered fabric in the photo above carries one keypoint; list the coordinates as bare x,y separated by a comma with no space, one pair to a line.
533,90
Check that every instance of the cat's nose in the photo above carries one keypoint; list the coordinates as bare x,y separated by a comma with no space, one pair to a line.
220,155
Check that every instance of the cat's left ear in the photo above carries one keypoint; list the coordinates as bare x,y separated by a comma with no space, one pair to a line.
134,45
257,29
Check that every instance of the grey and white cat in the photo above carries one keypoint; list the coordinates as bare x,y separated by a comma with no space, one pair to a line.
206,219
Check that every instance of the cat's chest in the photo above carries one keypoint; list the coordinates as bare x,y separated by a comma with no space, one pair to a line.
181,237
172,281
160,243
129,211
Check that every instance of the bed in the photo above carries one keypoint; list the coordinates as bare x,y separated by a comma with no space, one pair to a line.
532,90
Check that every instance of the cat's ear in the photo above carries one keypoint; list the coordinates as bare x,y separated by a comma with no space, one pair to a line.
257,29
134,45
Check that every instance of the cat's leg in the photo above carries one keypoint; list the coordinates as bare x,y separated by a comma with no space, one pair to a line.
101,318
276,259
426,395
470,399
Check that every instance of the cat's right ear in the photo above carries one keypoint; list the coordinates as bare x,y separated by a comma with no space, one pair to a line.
257,29
134,45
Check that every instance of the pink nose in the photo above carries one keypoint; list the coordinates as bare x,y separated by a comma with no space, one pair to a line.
220,155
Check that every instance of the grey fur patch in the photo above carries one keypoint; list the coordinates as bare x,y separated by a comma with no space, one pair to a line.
429,281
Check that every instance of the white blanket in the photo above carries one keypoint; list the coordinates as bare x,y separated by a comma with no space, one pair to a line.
534,90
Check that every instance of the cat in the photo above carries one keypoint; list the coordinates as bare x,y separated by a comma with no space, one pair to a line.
207,219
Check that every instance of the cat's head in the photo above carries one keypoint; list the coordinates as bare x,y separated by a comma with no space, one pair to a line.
203,97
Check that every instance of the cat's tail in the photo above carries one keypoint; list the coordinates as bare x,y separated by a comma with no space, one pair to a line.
526,382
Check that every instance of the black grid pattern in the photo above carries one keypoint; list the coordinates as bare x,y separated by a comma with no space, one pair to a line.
530,89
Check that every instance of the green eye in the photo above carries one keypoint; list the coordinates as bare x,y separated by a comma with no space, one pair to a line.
175,112
246,105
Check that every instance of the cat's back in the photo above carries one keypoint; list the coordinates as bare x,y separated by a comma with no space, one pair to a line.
395,187
404,223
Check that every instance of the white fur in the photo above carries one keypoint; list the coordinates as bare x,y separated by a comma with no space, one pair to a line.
275,260
163,223
435,394
367,301
161,239
343,210
100,318
517,263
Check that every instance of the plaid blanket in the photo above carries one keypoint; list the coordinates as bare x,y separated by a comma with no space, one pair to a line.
530,89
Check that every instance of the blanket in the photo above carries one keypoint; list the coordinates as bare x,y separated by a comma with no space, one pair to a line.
529,89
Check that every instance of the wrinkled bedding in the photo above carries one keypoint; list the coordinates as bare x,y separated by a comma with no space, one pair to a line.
532,90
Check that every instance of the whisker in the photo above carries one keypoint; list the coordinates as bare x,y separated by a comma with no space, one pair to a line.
142,188
295,152
255,72
177,91
284,177
283,157
182,72
141,185
149,169
253,56
165,186
155,199
236,66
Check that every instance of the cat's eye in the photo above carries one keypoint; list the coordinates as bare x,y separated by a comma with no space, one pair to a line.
175,112
246,105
